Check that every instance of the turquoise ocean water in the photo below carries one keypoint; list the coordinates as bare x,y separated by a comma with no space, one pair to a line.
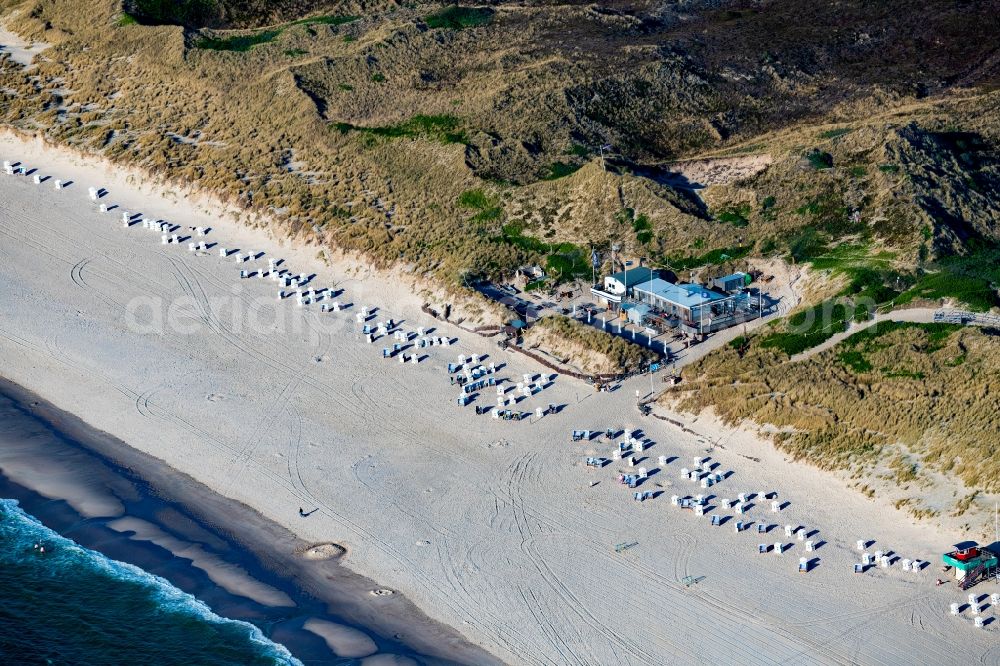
71,605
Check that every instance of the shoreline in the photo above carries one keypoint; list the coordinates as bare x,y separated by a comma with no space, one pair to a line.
322,590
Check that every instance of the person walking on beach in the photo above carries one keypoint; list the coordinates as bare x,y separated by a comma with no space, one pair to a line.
301,512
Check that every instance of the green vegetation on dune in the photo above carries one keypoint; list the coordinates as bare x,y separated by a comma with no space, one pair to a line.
442,128
486,207
458,18
872,282
973,279
474,199
737,215
850,257
643,228
560,170
237,43
640,223
826,212
709,258
815,325
244,42
870,277
564,261
855,360
536,285
968,289
820,160
567,261
805,243
513,234
826,219
835,133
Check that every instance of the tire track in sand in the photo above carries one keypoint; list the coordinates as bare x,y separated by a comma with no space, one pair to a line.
571,602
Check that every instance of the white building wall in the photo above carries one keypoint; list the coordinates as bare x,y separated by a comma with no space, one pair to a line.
613,286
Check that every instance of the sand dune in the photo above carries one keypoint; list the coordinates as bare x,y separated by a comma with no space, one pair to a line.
493,527
20,51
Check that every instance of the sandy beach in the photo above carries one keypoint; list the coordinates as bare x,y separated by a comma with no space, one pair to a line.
494,528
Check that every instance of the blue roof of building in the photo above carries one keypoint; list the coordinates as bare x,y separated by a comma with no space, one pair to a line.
685,295
735,276
634,276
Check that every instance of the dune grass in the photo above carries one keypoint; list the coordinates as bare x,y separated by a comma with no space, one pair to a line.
641,225
324,20
619,354
924,387
643,228
262,103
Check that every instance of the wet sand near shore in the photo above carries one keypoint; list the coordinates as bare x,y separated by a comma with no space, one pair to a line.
110,497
